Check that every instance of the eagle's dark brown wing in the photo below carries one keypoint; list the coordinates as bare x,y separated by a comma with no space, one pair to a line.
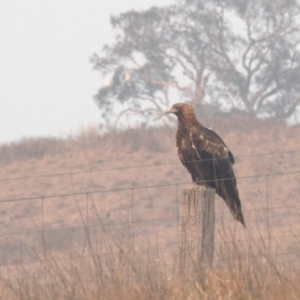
209,141
216,163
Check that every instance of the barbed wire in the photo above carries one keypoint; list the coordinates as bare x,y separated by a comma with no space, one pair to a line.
138,166
105,225
143,187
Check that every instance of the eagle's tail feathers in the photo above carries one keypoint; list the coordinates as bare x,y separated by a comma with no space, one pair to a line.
238,215
236,210
231,196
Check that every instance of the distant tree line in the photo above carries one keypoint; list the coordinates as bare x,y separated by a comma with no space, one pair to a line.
229,54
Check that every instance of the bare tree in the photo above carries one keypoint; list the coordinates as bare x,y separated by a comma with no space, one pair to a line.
259,65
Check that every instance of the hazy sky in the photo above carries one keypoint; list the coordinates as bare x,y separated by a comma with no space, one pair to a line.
46,81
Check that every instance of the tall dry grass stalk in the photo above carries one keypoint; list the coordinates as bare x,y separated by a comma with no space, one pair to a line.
238,273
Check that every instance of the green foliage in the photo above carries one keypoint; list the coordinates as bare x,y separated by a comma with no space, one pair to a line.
230,53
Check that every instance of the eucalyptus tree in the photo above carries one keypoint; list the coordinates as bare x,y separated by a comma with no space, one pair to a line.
231,54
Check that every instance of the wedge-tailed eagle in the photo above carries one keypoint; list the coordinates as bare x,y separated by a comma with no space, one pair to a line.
206,157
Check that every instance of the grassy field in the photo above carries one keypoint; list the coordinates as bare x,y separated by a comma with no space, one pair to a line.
95,216
127,275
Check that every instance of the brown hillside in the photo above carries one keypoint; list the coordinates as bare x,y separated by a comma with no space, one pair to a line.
130,181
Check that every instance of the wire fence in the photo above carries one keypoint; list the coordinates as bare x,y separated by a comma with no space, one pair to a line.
77,227
177,162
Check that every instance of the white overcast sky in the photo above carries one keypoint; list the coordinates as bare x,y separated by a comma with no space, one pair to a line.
46,81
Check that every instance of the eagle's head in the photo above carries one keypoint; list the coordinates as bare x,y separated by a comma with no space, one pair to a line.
181,109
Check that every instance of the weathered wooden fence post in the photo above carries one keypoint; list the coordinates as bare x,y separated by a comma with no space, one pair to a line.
197,225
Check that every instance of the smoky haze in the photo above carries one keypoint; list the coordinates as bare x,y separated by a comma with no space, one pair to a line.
47,83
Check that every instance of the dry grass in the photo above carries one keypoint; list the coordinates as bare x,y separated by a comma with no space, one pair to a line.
92,263
132,140
129,276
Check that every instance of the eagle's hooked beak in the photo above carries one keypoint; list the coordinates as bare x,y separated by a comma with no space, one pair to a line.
170,109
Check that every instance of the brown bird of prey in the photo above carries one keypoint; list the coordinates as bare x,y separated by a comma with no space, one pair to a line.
206,157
